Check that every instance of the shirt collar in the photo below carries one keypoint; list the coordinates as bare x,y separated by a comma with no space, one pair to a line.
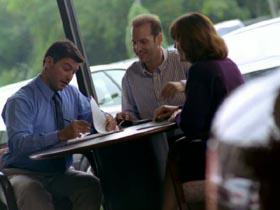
46,91
164,62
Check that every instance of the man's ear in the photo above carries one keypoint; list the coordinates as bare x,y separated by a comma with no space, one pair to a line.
159,39
48,61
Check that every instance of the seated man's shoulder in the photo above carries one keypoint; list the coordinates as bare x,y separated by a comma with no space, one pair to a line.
173,54
71,90
24,95
174,57
25,91
133,68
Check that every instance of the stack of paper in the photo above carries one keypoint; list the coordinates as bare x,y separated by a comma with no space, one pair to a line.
98,116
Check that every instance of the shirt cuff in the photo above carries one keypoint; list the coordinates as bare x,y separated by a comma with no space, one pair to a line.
51,139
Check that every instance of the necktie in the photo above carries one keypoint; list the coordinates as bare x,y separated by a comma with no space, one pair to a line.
58,111
60,164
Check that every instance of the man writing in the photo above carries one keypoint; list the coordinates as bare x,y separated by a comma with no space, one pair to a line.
144,80
46,112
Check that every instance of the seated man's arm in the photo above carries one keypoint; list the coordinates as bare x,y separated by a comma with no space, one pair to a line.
128,102
20,116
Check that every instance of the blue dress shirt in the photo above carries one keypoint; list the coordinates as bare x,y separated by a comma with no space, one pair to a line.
31,124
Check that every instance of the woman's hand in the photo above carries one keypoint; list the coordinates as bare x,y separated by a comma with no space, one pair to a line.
173,116
171,88
164,112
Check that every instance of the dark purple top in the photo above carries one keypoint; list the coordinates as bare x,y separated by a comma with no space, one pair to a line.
209,82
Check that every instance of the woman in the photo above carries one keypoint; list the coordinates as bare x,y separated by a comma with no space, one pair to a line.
211,77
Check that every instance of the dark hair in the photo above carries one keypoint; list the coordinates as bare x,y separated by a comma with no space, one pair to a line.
64,49
153,20
198,38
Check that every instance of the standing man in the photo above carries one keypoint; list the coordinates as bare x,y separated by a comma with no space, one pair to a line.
144,80
42,114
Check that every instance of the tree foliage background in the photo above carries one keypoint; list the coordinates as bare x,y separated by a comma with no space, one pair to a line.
29,27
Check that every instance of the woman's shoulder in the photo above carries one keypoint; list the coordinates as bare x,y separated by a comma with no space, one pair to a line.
214,64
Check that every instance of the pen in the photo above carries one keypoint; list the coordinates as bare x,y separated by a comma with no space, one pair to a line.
67,120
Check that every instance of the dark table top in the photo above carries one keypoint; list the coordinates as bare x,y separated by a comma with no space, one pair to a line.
86,143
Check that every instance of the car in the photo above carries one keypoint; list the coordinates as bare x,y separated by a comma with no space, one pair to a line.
107,80
222,28
255,48
227,26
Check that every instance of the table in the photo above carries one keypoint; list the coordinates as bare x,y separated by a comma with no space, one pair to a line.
131,164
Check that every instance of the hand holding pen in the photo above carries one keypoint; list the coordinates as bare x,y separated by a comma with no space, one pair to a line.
74,130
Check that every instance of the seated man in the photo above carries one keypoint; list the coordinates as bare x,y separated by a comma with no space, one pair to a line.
44,113
144,80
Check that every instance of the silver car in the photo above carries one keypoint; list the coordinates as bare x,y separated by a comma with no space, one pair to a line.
255,48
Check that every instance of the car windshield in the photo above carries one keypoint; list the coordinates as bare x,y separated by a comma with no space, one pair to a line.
108,89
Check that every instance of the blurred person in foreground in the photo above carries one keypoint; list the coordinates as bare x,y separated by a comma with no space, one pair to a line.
244,151
144,80
211,77
41,115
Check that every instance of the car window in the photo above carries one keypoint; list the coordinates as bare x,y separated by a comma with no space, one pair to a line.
108,93
116,75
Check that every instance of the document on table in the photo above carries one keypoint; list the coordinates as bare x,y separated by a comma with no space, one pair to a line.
99,122
90,136
98,116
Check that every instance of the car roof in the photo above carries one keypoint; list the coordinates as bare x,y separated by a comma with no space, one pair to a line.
255,47
116,65
228,26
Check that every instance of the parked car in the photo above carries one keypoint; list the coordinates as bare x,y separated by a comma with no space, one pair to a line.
107,80
223,28
227,26
255,48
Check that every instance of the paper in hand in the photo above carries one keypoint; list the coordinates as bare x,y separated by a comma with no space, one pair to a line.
99,117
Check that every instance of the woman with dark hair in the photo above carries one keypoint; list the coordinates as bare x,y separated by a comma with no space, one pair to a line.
211,77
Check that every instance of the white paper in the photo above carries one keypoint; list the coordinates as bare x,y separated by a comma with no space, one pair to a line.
90,137
99,117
